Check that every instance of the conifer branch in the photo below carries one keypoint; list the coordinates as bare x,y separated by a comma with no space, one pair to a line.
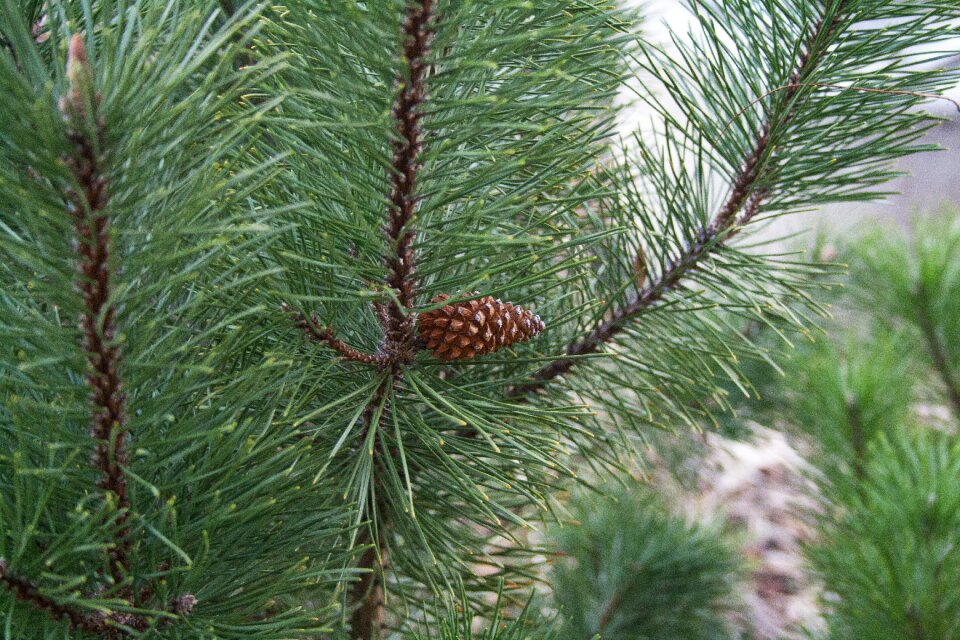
400,346
400,260
858,438
87,206
26,591
611,608
98,323
740,208
105,625
314,330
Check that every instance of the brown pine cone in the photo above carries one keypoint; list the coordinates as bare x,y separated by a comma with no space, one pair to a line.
463,330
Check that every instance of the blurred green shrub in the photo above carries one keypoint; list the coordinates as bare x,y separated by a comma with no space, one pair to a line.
914,283
849,392
887,553
630,570
457,621
891,554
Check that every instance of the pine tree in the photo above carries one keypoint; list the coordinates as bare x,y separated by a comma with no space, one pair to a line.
222,225
891,555
917,283
887,463
670,578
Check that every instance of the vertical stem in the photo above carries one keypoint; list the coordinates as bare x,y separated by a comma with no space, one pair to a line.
400,260
368,618
91,223
858,439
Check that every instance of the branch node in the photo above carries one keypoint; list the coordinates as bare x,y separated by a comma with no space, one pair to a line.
183,606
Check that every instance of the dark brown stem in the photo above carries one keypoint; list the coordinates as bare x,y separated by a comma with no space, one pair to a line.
740,208
369,616
98,326
939,354
400,344
858,439
316,331
94,622
86,204
608,612
28,592
368,620
400,259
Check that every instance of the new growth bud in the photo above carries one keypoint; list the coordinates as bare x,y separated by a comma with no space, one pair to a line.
81,99
640,268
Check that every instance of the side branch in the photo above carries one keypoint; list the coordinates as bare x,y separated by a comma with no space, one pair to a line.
740,208
26,591
938,353
312,327
93,622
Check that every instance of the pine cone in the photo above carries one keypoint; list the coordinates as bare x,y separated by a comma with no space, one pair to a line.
463,330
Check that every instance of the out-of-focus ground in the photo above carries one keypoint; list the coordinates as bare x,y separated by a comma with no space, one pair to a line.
760,486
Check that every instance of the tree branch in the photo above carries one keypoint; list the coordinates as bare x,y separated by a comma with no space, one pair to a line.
86,204
400,345
740,208
105,625
28,592
98,324
367,620
858,438
610,610
314,330
400,260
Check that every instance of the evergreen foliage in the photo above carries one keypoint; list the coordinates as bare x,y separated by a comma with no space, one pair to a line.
458,622
848,392
246,207
916,282
891,556
886,551
894,345
128,440
629,569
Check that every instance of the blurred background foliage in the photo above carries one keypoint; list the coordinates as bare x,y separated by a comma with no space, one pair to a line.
869,399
